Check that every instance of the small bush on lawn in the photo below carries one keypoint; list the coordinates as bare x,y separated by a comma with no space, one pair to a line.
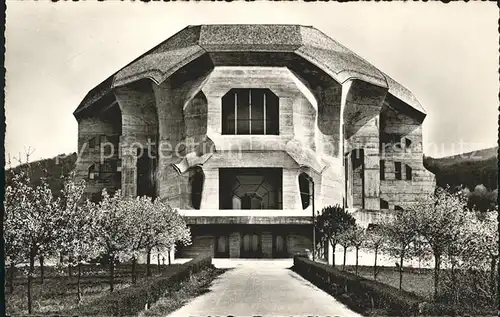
133,299
365,295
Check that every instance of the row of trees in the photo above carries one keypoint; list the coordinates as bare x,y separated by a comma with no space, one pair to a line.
38,225
439,227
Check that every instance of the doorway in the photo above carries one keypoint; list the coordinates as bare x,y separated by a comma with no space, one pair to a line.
279,246
221,247
250,246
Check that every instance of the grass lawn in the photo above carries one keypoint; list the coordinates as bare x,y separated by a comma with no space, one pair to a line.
59,292
420,282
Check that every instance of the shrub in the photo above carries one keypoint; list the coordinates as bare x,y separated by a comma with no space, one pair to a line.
131,300
365,295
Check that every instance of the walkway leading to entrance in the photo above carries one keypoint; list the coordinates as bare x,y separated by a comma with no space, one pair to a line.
264,288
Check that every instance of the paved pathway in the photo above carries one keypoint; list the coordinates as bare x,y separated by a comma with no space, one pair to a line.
264,288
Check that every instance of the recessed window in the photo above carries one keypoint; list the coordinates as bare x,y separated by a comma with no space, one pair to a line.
305,190
384,204
407,143
92,143
382,170
398,207
196,181
93,171
408,173
250,111
250,188
397,170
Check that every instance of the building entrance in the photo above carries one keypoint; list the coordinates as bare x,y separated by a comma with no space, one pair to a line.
250,246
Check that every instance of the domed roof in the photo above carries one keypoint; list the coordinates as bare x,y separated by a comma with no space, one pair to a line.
192,42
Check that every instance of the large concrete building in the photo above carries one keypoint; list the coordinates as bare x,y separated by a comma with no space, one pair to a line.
243,127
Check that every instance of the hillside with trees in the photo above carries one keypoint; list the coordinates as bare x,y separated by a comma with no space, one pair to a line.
467,169
53,169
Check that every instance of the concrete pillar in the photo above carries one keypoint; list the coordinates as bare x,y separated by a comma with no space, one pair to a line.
210,194
372,165
129,168
290,190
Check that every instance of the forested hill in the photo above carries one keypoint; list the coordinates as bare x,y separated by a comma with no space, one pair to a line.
468,169
53,169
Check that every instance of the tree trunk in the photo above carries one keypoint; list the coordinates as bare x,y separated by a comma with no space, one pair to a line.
401,271
345,256
453,282
30,280
134,276
159,266
334,246
78,290
70,267
41,269
357,251
12,270
169,260
375,265
111,272
148,263
437,268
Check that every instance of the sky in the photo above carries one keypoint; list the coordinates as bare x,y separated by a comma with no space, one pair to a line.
446,54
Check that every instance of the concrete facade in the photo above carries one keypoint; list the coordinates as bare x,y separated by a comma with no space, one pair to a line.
351,129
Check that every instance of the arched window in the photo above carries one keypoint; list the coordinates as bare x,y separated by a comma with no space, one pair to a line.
250,111
196,180
305,190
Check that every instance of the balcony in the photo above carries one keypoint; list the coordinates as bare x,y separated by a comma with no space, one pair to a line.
249,216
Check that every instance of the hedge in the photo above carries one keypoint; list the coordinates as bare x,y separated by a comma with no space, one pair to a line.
133,299
365,295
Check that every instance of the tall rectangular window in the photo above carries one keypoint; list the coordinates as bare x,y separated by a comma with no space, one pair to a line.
250,111
408,173
397,170
382,170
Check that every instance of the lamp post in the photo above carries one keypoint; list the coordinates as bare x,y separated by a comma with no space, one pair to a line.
313,221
